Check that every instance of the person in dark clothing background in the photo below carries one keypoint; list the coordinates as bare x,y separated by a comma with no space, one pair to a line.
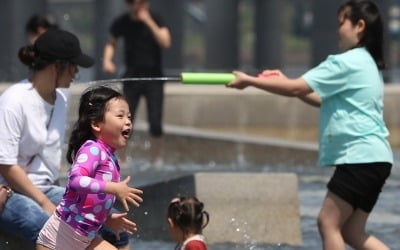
37,25
145,35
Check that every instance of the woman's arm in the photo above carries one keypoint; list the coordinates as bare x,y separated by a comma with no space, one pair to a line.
19,182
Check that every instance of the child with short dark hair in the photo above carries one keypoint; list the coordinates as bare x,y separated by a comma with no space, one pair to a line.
186,220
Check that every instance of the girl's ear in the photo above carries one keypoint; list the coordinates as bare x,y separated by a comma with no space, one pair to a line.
360,26
95,126
170,223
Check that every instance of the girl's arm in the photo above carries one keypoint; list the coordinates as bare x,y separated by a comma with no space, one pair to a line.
278,84
119,222
87,185
313,99
19,182
124,193
82,181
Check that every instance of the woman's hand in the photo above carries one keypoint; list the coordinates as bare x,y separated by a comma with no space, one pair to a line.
119,222
48,206
126,194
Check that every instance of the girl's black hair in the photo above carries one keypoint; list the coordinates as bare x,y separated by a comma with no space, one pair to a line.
92,107
372,37
188,214
39,21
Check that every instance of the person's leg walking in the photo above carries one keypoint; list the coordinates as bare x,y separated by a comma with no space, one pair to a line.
354,233
154,100
332,216
132,92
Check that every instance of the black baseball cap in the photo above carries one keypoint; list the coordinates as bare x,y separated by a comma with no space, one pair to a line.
56,44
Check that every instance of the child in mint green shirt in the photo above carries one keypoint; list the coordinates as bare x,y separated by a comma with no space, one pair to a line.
353,137
351,123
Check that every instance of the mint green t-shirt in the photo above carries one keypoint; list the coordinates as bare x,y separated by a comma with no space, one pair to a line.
351,126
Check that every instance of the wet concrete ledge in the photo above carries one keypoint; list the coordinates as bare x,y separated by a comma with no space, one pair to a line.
244,208
191,145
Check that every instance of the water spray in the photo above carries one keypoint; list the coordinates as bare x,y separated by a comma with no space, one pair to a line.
185,78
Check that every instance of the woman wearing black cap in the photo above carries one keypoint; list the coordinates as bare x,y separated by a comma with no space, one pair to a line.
32,126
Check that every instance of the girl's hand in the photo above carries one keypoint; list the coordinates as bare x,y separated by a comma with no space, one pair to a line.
271,73
119,222
126,194
241,80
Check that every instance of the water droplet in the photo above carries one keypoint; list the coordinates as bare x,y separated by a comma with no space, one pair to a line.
146,213
233,220
237,229
66,17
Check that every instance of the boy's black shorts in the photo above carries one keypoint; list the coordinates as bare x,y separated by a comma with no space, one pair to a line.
360,184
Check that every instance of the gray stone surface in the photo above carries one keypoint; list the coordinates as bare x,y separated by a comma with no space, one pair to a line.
223,109
243,207
190,145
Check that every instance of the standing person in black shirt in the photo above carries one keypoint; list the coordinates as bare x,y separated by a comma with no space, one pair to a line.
37,25
145,35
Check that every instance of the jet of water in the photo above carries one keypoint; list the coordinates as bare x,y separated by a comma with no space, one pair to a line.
135,80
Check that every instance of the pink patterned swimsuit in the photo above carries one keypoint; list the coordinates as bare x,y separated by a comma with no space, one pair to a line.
85,206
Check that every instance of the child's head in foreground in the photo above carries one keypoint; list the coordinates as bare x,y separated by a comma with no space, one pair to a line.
186,217
103,114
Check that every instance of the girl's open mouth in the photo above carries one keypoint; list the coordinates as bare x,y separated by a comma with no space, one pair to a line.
126,133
